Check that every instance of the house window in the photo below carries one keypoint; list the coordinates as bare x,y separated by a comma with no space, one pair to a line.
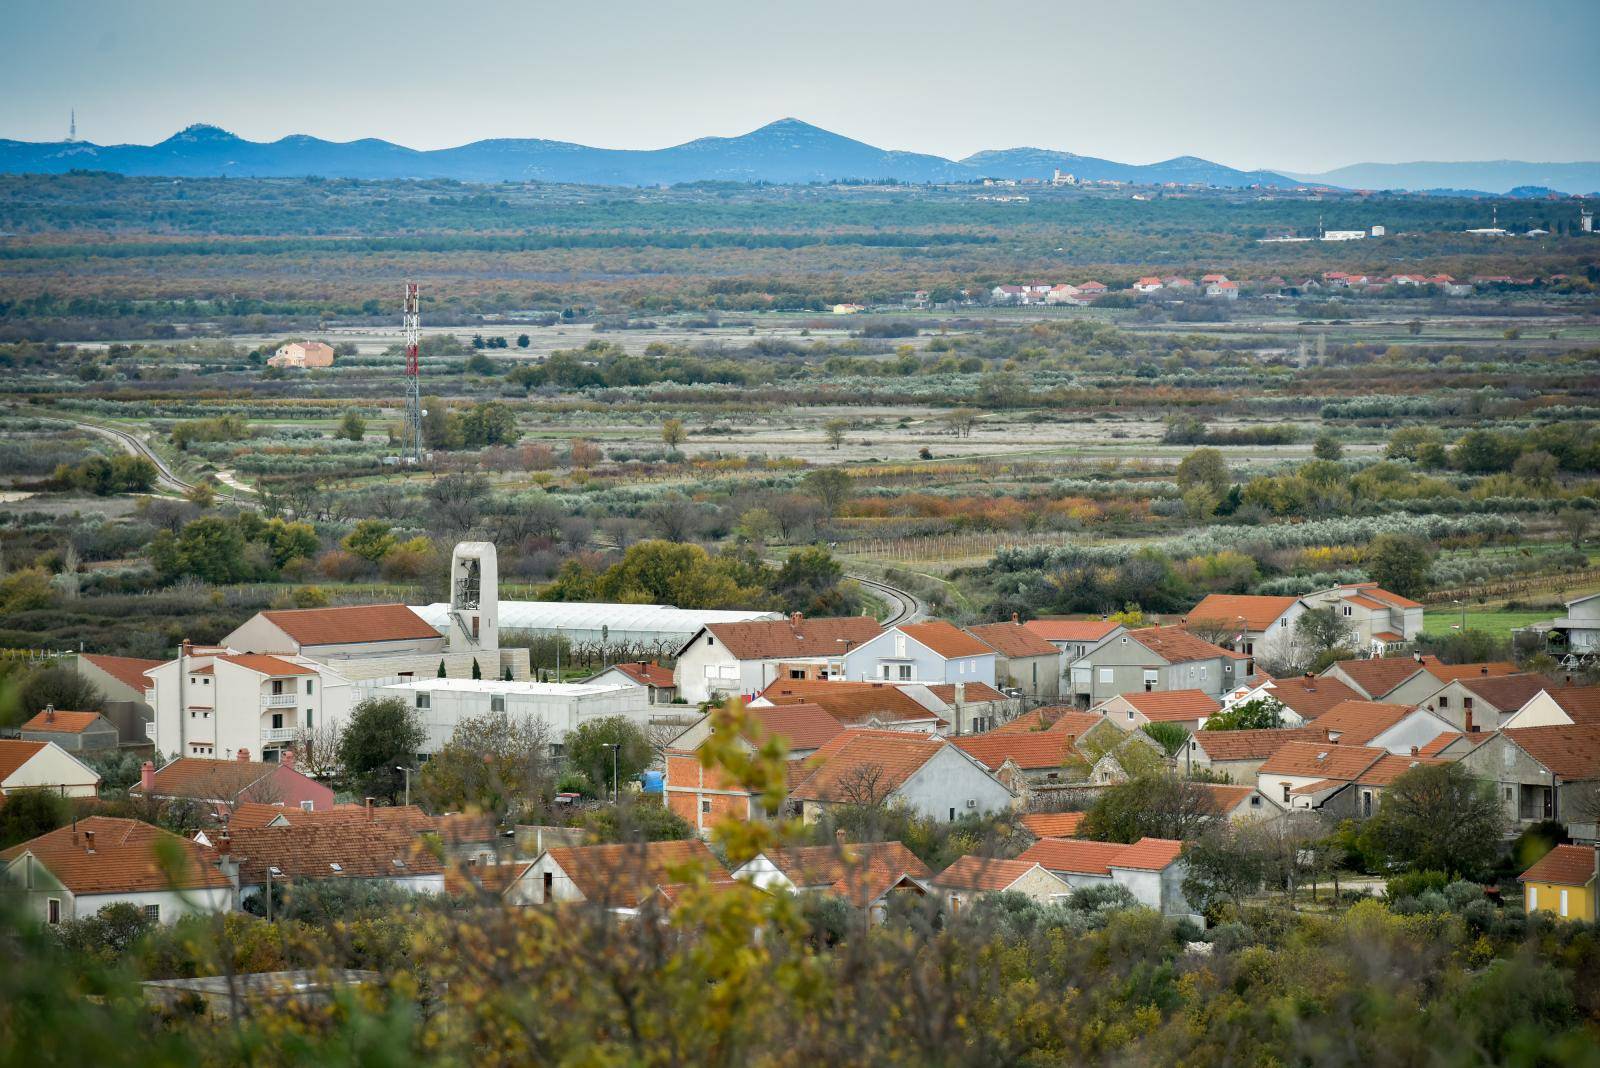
1150,680
308,806
705,806
497,703
952,815
152,913
308,687
277,721
796,673
1255,800
1563,909
1508,795
709,641
1348,611
550,879
1366,803
424,700
1466,703
905,671
52,909
308,719
1533,897
1105,676
1444,701
1285,793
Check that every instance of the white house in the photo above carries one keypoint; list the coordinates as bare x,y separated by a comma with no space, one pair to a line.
971,878
612,876
1579,631
1558,706
44,765
1383,622
1152,869
441,704
215,703
928,775
1257,626
726,659
73,872
931,652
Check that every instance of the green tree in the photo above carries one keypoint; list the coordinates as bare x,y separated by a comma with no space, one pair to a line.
29,813
589,752
1327,447
289,541
26,590
439,431
372,540
210,549
1204,468
1152,805
383,733
673,433
491,764
830,486
523,341
1438,817
1224,866
1399,563
490,423
812,581
60,687
1321,629
636,819
352,427
1259,714
834,430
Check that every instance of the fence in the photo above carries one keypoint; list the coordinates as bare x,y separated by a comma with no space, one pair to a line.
953,546
1514,587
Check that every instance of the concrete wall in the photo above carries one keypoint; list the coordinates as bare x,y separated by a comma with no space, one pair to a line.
57,769
1038,677
1416,730
447,707
727,674
948,781
892,649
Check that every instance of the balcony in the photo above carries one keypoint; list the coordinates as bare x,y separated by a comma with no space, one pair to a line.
280,734
279,700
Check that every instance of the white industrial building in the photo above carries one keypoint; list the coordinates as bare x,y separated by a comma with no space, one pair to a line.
659,629
441,704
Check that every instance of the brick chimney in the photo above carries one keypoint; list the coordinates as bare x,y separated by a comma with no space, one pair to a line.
243,756
88,841
147,778
838,836
286,758
49,713
224,844
368,802
1016,618
794,620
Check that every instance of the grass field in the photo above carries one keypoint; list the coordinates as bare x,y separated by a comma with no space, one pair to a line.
1494,621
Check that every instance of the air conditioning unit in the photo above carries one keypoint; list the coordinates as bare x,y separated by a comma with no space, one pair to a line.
972,802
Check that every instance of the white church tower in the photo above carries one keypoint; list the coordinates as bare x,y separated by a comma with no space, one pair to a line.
474,598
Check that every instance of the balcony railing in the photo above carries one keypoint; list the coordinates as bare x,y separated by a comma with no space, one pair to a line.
279,734
279,700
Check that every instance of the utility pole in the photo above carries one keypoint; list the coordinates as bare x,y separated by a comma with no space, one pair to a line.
613,746
407,773
412,328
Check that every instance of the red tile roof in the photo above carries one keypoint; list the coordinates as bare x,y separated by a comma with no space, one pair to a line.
14,754
1571,751
851,703
889,757
1391,767
622,875
1310,698
774,639
1439,744
1177,646
803,726
1071,630
945,639
1013,640
469,879
983,873
1358,722
1029,750
1580,703
1376,677
127,670
267,665
1149,854
1565,865
124,859
208,780
859,871
975,691
1464,672
1507,693
1075,855
1258,613
1058,719
351,624
1225,798
1323,760
1252,744
64,722
1376,592
647,674
342,849
249,815
1172,705
1053,824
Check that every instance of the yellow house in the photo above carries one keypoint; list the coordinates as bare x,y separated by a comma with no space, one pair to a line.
1563,882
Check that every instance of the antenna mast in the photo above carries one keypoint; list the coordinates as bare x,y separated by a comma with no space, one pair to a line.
412,328
72,126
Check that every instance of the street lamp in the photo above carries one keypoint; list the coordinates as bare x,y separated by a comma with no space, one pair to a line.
844,665
613,746
407,773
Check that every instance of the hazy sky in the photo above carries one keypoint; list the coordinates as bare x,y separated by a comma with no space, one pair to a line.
1289,85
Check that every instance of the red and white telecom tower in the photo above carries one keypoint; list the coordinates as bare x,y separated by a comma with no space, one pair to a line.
412,327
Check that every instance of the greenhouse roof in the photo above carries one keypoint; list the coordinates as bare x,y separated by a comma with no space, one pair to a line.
618,618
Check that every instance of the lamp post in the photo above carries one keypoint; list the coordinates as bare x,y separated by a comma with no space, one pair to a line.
407,773
844,666
613,746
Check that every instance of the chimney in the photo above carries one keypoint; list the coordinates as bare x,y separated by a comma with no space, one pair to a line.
49,713
1015,618
794,620
838,836
244,755
186,649
368,802
1484,670
1415,751
224,844
286,758
1416,658
147,778
88,841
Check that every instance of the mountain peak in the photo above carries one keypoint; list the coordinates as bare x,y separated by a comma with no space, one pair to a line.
199,132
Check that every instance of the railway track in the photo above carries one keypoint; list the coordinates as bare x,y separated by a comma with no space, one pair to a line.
166,477
904,605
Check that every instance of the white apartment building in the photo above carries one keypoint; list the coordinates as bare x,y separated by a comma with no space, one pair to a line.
441,704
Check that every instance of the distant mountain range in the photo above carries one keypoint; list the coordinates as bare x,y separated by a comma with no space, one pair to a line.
786,151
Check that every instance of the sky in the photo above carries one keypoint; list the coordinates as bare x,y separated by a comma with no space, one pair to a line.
1292,86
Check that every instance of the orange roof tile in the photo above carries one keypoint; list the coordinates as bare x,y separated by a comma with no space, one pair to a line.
1029,750
1565,865
1439,744
1376,592
804,726
1225,798
1258,613
850,702
1149,854
469,879
621,875
208,780
892,757
1053,824
1391,767
127,670
1379,676
14,754
1252,744
774,639
1580,703
1463,672
983,873
124,859
850,869
1311,697
1507,693
1172,705
267,665
1571,751
1055,718
945,639
1322,759
1012,640
646,674
64,722
351,624
1177,646
1075,855
1071,630
336,850
1358,722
